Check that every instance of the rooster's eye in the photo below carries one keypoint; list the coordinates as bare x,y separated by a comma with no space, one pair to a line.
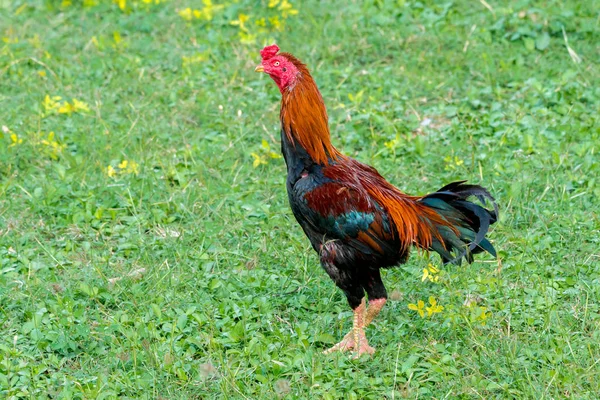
276,63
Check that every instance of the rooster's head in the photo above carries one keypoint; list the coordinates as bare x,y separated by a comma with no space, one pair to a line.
283,67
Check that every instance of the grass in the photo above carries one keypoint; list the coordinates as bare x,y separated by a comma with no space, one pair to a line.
182,273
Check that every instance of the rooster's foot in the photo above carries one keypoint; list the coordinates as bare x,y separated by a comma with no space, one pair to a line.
349,343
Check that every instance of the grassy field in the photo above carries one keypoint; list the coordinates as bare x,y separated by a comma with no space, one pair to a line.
147,249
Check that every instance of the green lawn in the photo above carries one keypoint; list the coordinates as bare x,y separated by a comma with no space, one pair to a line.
147,249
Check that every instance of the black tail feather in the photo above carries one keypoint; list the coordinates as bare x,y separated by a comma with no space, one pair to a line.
470,220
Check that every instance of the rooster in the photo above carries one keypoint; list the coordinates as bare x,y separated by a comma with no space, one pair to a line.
355,220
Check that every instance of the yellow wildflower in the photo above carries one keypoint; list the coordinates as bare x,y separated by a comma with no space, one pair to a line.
430,273
273,3
124,167
434,307
80,106
275,22
121,3
117,38
51,103
66,108
128,167
261,22
50,139
69,108
14,140
287,9
392,144
484,314
419,307
110,171
207,13
453,162
478,313
209,9
241,21
66,3
258,160
186,14
54,148
267,148
132,168
42,73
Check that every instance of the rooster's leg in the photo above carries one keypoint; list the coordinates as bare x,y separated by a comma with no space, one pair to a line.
355,339
375,307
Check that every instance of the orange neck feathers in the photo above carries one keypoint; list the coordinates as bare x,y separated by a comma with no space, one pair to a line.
304,121
304,117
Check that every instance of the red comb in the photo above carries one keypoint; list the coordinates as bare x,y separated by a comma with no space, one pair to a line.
269,51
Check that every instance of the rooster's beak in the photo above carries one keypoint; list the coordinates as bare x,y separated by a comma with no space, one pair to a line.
259,68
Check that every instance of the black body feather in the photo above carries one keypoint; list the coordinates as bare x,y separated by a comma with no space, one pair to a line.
471,221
